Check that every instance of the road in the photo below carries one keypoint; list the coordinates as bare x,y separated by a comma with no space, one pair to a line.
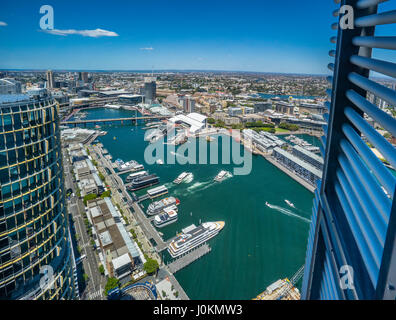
96,281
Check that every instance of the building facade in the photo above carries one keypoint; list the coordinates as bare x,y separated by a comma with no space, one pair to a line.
150,90
50,79
35,249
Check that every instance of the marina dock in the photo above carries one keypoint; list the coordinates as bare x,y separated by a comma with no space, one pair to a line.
188,258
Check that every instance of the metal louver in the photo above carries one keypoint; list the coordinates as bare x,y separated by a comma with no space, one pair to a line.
354,211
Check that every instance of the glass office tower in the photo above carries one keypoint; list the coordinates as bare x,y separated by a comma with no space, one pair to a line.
35,255
352,242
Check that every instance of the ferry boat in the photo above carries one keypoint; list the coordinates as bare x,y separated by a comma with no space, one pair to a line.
130,165
156,192
193,236
143,182
291,204
169,216
182,177
221,175
135,175
158,206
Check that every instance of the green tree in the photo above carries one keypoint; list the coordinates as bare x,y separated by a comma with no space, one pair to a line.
151,266
105,194
111,284
211,121
102,177
101,270
88,197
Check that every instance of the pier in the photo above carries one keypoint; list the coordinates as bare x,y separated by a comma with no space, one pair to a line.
188,258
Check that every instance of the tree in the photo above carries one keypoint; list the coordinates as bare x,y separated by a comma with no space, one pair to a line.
102,177
105,194
211,121
101,270
151,266
89,197
111,284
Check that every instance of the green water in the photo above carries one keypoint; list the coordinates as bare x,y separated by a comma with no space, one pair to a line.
258,244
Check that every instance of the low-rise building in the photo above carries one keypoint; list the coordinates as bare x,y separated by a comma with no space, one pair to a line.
301,168
120,254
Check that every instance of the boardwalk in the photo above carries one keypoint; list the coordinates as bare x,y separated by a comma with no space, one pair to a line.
188,258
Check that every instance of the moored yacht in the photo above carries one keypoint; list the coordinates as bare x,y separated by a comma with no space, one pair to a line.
158,206
167,217
135,175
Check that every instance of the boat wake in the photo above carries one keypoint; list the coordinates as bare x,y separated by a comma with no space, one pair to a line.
287,212
199,186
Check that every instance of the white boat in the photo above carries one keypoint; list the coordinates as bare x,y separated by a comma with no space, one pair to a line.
169,216
221,176
182,177
291,204
135,175
159,161
158,206
193,236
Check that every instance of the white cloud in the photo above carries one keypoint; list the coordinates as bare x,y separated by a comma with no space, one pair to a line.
3,24
86,33
147,49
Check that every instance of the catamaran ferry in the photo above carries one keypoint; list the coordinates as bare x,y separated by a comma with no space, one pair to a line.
158,206
182,177
193,236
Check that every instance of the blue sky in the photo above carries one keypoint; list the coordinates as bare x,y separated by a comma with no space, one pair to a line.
288,36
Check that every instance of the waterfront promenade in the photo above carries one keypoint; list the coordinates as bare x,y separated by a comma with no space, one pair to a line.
144,223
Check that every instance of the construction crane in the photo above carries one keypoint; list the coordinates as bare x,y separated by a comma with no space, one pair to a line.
286,289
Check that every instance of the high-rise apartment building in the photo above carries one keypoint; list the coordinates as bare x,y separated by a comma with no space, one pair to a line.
150,89
351,250
50,79
188,104
35,251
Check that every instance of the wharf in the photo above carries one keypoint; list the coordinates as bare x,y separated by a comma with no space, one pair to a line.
290,173
188,258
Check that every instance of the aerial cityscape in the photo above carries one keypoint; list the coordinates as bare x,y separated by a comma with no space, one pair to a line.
129,177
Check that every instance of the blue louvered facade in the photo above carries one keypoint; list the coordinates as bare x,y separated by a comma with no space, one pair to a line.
354,211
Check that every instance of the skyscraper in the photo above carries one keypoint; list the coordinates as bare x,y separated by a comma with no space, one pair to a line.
351,250
35,255
188,104
150,89
50,79
83,76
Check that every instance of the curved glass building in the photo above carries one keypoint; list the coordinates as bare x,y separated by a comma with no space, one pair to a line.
35,253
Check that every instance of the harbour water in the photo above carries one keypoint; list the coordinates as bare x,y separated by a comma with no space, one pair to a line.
258,245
